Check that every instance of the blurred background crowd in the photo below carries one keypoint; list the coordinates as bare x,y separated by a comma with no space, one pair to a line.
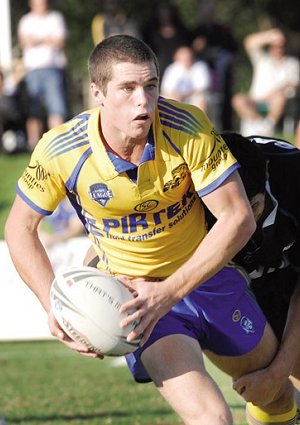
238,61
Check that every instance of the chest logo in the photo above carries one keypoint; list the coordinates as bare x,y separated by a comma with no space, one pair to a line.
100,193
146,206
178,175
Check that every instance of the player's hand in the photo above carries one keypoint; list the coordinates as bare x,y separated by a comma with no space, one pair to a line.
58,332
259,387
151,301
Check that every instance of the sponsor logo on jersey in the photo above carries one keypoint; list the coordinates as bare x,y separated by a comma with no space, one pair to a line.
178,175
146,206
100,193
40,171
247,325
236,316
217,155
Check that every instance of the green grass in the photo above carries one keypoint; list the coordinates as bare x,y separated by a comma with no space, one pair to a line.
46,383
11,168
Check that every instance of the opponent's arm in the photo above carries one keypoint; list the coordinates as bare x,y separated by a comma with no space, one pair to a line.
287,360
235,224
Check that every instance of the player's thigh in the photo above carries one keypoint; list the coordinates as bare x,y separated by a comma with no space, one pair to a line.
257,358
175,364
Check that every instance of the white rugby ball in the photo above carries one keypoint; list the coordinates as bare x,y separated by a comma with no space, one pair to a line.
86,303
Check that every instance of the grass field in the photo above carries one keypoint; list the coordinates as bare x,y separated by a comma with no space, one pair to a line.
46,383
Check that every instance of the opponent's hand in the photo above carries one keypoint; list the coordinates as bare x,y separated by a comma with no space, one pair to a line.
59,333
151,301
259,387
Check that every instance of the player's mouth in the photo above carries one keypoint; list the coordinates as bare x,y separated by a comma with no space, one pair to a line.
142,117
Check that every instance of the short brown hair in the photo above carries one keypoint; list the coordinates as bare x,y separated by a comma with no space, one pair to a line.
117,49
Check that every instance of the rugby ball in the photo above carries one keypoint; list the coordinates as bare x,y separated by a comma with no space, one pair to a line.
86,303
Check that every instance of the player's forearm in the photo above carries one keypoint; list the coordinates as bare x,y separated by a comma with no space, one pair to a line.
31,262
220,245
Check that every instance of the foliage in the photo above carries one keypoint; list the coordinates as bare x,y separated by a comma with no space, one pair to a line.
242,16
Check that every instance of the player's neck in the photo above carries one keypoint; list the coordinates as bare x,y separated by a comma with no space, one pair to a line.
129,149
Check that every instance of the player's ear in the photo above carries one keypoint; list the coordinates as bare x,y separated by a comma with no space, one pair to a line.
257,203
97,94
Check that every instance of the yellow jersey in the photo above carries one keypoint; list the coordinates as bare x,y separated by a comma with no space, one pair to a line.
143,221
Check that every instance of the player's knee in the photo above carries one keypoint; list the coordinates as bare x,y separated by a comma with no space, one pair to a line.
209,416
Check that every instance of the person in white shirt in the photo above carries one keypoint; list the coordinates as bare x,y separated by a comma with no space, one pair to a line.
42,34
186,79
275,78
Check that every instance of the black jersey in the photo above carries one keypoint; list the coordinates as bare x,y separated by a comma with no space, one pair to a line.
272,255
283,234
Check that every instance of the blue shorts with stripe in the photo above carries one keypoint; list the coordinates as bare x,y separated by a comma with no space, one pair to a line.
222,314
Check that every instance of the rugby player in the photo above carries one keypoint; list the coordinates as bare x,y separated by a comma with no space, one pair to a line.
270,173
138,170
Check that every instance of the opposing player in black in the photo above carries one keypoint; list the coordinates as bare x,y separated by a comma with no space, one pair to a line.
270,170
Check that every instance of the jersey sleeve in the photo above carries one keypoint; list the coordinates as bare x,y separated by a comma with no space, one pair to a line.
208,157
41,185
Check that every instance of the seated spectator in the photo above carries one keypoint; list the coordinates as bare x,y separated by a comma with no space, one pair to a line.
112,21
275,78
186,80
12,121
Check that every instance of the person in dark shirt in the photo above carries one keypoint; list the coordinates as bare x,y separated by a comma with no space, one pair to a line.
270,173
213,42
165,33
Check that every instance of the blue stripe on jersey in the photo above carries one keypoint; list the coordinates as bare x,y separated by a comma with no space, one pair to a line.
211,187
75,137
72,180
178,119
171,143
30,203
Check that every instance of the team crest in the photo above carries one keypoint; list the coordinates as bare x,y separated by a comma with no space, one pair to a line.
100,193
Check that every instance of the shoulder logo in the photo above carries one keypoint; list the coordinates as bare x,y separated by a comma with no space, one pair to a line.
100,193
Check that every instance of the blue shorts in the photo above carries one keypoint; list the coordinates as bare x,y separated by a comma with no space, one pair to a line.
222,314
46,90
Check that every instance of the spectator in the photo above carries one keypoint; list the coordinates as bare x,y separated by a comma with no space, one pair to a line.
213,43
42,35
165,33
186,80
275,78
12,134
112,21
